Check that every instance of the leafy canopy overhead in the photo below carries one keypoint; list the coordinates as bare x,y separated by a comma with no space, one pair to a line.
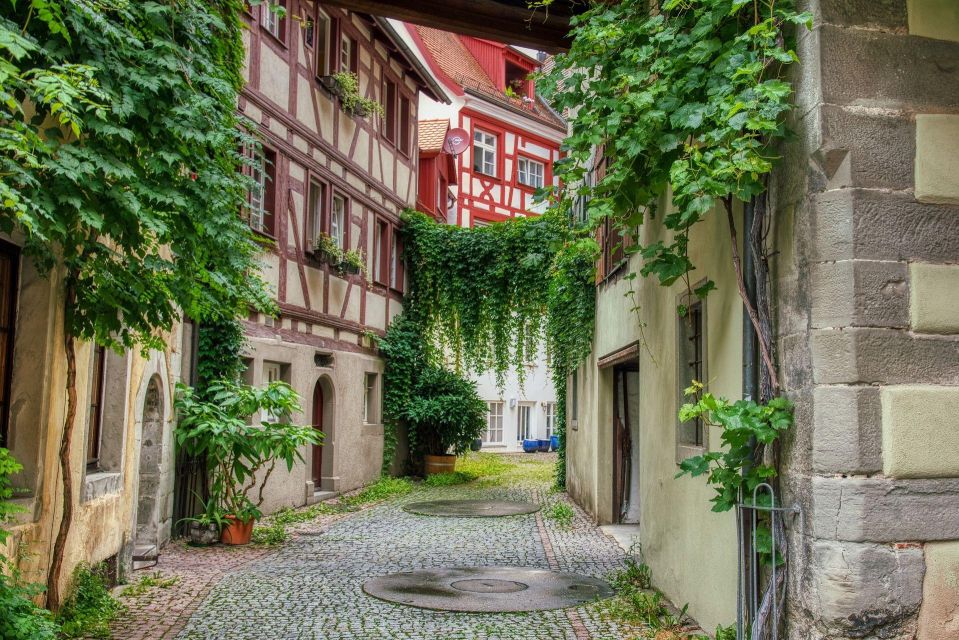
685,96
119,151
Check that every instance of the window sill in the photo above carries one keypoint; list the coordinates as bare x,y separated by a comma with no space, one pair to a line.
101,484
684,451
269,33
482,174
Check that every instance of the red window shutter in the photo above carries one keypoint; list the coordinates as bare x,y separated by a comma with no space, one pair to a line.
601,262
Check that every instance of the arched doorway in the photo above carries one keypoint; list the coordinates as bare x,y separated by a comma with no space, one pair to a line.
147,541
322,455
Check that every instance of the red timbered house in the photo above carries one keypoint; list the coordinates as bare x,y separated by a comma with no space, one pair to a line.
326,171
437,171
514,136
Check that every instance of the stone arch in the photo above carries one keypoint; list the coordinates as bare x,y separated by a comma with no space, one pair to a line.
150,478
323,417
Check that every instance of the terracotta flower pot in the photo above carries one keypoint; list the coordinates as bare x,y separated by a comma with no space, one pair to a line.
439,464
237,531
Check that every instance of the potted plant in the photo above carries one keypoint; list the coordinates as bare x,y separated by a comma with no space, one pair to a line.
240,454
445,415
204,529
346,86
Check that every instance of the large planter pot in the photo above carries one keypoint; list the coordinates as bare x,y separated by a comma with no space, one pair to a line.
439,464
477,445
237,531
530,446
543,446
553,443
202,535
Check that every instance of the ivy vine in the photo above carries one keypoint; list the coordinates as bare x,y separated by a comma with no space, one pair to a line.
489,298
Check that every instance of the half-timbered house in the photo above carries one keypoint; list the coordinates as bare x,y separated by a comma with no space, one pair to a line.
514,139
324,170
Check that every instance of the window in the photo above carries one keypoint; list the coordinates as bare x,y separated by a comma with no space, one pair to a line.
550,419
484,153
314,215
262,197
95,422
405,125
309,29
381,247
494,422
691,365
581,203
322,44
338,221
347,53
574,399
523,413
389,109
273,21
369,399
9,269
273,372
530,172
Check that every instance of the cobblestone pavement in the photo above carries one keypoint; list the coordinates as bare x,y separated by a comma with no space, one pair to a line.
311,587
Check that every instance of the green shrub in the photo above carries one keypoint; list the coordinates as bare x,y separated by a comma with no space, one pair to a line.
146,583
89,608
636,575
726,633
382,489
561,513
445,414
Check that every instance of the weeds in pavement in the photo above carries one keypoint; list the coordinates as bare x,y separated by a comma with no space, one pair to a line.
89,608
146,583
382,489
270,534
448,479
561,513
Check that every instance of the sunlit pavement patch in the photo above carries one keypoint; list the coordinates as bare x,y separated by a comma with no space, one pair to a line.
472,508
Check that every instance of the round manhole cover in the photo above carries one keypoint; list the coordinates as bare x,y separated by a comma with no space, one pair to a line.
471,508
488,589
489,585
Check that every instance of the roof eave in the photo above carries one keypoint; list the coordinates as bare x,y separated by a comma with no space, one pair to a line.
433,89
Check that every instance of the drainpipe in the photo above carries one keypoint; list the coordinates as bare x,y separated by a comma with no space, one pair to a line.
750,391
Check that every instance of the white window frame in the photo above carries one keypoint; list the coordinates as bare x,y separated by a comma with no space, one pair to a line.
272,20
494,422
321,41
530,173
484,152
345,52
394,262
338,220
550,419
524,432
256,209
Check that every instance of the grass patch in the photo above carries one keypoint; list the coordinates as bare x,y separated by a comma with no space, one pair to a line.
382,489
448,479
289,516
561,513
146,583
89,608
483,465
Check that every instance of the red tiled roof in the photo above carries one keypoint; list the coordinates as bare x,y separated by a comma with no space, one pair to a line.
432,134
458,64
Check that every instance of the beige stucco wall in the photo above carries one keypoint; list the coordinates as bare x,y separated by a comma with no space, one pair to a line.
105,504
353,450
692,551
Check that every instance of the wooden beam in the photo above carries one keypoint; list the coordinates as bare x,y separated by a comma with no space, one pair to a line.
540,29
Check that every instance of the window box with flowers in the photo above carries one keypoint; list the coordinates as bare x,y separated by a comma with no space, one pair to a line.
346,87
351,261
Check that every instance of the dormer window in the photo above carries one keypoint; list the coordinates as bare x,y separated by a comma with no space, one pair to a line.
516,80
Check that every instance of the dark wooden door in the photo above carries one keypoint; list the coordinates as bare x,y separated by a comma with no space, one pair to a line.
622,442
318,425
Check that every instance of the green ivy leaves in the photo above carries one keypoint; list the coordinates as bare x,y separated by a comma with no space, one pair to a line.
687,98
742,422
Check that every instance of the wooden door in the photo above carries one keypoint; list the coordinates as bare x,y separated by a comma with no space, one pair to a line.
318,425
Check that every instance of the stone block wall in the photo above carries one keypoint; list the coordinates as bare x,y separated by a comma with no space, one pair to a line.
867,289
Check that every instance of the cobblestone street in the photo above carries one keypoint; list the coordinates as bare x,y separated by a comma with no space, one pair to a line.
311,586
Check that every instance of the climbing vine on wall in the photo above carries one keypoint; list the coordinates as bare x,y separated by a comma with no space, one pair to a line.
487,299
